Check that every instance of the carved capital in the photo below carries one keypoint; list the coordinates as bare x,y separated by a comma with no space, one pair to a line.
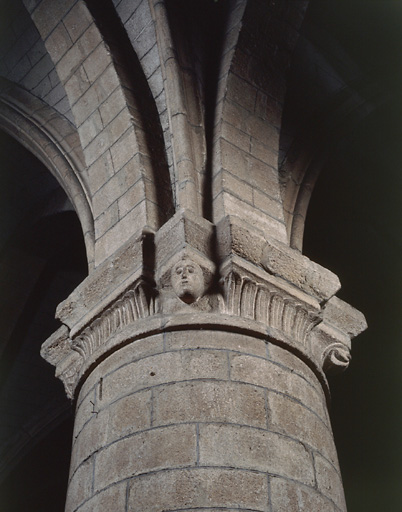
254,294
185,270
331,339
137,302
171,273
57,351
169,279
266,281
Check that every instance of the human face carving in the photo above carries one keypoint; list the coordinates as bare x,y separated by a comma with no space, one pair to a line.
187,280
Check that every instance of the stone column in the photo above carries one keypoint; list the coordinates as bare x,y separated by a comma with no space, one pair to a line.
196,358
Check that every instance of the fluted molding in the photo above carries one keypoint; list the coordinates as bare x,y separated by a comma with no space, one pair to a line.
137,302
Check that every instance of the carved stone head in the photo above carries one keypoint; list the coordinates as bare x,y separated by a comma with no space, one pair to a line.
187,279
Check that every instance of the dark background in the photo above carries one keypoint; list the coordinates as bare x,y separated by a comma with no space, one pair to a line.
354,227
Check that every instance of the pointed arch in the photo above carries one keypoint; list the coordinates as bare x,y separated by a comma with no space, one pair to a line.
55,142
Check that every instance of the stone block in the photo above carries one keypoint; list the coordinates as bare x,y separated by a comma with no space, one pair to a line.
108,219
100,172
184,229
95,95
126,8
135,351
83,412
105,139
261,372
80,486
130,226
127,416
119,126
36,52
263,131
59,42
235,114
290,496
69,63
37,73
294,364
96,62
249,448
114,498
77,85
269,109
273,227
124,149
273,253
126,263
89,41
107,195
166,368
235,136
90,128
241,92
264,152
262,176
150,61
131,198
216,339
234,160
91,438
55,95
344,317
267,204
329,481
48,14
144,40
141,15
229,183
294,420
197,488
209,401
152,450
143,216
156,81
77,20
112,106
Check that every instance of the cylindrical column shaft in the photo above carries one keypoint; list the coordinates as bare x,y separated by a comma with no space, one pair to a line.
203,420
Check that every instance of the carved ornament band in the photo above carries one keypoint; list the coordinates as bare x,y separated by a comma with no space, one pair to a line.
154,284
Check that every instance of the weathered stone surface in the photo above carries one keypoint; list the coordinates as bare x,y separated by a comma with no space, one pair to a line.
166,368
329,481
201,487
248,448
277,258
153,450
112,275
133,352
296,421
289,496
261,372
80,486
223,402
114,498
128,415
217,339
344,317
